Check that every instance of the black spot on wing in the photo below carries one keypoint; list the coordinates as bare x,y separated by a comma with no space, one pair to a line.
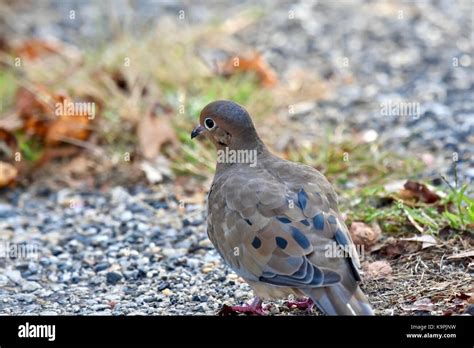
248,222
281,242
256,243
302,199
300,238
341,238
318,221
305,222
283,219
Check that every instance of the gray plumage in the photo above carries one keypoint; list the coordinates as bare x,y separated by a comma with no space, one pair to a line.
276,223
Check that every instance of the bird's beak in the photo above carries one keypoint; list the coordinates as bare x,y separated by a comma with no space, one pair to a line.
197,130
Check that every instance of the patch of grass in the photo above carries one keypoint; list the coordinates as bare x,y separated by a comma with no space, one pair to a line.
30,147
395,216
360,171
164,69
8,87
348,163
463,214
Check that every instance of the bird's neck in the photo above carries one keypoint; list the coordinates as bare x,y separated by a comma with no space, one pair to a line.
245,153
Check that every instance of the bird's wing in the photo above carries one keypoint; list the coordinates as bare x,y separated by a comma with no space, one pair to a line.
279,229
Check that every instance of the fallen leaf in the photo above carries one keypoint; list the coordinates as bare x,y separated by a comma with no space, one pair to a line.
8,174
34,110
251,63
72,119
463,296
377,270
33,49
363,234
465,254
153,131
55,118
418,192
424,305
67,129
425,239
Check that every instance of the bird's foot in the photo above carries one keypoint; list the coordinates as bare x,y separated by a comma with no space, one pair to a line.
254,308
304,304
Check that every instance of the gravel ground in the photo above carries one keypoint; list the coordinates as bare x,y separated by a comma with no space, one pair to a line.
136,252
421,55
121,252
113,253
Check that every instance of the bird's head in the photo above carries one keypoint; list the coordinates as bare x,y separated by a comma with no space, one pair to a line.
227,124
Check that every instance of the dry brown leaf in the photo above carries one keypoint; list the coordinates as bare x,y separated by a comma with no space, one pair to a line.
418,192
153,131
69,123
53,117
251,63
363,234
68,127
8,174
377,270
33,49
34,110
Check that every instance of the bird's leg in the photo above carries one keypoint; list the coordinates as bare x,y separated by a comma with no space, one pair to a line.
253,308
303,304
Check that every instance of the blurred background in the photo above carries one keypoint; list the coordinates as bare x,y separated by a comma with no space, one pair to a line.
98,99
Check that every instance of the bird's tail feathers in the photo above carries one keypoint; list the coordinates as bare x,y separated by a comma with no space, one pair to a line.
338,300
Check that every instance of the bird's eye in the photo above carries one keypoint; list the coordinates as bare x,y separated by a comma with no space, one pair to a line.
209,123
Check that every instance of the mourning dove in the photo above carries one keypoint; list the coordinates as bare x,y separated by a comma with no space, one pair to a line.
276,223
